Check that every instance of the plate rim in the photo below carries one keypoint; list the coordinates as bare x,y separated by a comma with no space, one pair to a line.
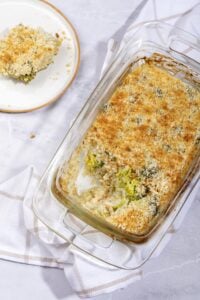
61,93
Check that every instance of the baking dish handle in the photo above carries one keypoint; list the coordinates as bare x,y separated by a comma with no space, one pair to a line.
185,44
83,233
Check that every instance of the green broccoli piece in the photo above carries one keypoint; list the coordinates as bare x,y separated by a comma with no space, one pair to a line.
92,162
130,189
128,183
26,78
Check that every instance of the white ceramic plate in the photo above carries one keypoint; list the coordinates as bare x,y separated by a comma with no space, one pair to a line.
51,83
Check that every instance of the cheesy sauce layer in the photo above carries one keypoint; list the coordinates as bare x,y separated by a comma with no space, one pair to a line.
134,157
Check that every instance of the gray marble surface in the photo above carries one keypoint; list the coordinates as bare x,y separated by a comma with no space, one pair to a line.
175,274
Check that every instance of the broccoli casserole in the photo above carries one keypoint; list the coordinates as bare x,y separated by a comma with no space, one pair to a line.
136,154
26,51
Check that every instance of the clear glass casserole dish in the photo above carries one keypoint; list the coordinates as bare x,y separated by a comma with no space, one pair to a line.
166,48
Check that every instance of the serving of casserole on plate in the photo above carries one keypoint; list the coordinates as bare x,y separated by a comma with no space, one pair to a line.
39,54
25,51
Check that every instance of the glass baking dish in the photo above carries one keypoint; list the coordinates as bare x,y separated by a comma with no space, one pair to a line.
170,49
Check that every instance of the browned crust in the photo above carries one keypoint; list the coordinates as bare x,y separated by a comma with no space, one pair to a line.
164,104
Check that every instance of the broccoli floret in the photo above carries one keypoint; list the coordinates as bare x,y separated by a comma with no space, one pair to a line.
133,188
26,78
92,162
130,189
124,175
128,183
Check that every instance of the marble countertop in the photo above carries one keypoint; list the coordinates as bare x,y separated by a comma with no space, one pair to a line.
176,273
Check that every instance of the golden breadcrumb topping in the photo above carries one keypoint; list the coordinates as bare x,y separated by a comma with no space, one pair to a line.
25,51
136,154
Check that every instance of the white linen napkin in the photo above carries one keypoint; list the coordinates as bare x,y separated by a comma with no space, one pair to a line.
25,239
17,243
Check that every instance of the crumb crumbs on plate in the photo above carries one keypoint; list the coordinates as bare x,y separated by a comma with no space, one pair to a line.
32,135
